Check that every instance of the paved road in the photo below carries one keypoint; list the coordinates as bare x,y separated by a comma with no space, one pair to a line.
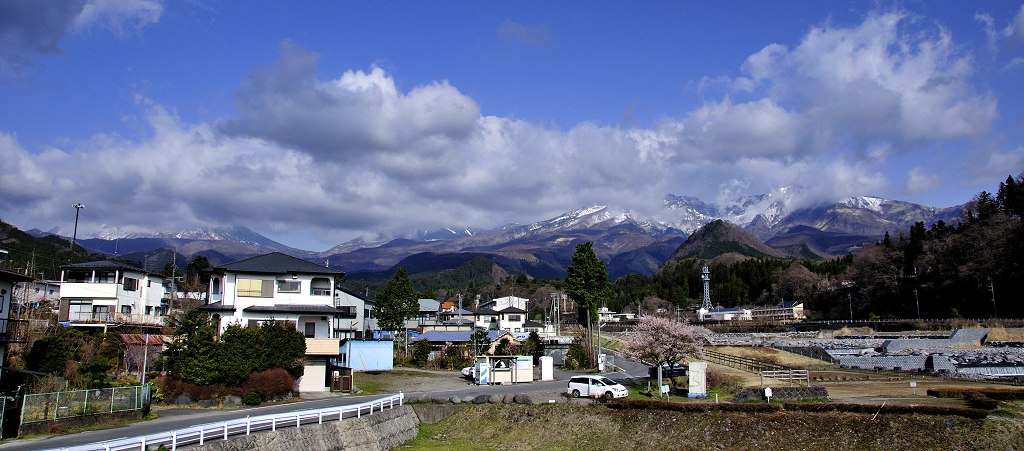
172,419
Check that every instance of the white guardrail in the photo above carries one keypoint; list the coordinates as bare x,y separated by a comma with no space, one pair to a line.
223,430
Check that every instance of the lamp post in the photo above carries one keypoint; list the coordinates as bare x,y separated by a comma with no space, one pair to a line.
74,236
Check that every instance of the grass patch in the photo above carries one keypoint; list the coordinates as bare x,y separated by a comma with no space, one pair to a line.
776,427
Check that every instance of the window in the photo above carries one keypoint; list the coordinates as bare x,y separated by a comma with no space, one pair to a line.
131,284
320,286
149,309
289,286
514,318
126,309
215,285
105,277
310,330
255,288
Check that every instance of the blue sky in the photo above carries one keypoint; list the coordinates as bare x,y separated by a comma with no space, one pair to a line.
315,122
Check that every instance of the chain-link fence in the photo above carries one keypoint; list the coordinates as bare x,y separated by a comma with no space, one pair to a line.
66,404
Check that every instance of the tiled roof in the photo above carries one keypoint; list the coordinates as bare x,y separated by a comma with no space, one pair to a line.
529,323
216,307
105,264
459,336
511,310
13,276
429,305
486,311
293,308
277,263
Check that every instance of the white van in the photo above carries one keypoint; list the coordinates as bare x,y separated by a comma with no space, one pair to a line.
595,387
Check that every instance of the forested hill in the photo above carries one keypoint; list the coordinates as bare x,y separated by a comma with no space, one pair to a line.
38,257
719,237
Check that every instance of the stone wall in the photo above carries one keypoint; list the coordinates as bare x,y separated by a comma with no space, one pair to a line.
383,430
796,393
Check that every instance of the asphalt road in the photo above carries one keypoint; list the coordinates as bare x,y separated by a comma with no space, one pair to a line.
172,419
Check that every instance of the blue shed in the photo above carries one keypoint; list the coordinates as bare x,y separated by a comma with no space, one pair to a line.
367,355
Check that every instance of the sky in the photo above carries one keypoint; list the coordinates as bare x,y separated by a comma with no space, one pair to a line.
316,122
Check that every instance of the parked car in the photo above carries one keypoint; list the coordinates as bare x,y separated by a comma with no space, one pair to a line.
676,369
469,372
595,387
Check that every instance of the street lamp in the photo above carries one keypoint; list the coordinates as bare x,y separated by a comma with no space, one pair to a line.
74,236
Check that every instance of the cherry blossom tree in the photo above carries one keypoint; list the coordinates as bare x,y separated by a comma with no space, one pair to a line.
662,341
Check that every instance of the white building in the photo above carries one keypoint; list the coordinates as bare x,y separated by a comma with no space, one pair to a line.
724,314
10,330
505,302
509,318
282,288
110,293
786,311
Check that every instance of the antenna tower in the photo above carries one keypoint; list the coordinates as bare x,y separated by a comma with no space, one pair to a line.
705,275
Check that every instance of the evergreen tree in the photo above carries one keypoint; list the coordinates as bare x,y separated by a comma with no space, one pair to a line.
586,282
396,302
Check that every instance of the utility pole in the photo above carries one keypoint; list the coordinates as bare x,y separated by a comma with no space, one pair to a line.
918,303
849,297
74,235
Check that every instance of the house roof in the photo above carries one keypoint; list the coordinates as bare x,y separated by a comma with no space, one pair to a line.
216,307
105,264
352,293
791,304
726,310
457,312
14,277
457,336
429,305
293,308
529,323
277,263
486,311
511,310
457,321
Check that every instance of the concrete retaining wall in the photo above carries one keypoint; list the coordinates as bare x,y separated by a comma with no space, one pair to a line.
384,430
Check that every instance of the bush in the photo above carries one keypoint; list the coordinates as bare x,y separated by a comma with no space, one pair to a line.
697,407
421,353
724,382
252,399
273,383
1000,394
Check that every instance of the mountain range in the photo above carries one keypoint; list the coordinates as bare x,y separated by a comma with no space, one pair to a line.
629,242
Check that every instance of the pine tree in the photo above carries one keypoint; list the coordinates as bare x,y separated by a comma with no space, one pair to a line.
396,302
586,282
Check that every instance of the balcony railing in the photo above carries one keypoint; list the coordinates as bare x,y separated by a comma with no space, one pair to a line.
13,331
116,318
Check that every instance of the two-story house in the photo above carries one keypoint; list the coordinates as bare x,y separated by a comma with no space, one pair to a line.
110,293
10,330
279,287
509,318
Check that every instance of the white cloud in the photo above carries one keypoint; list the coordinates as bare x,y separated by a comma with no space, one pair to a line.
918,181
120,16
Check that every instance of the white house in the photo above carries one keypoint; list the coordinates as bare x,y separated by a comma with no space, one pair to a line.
724,314
10,330
363,323
509,318
505,302
279,287
109,293
786,311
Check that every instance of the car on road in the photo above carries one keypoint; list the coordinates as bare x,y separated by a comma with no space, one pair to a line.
469,372
595,386
676,369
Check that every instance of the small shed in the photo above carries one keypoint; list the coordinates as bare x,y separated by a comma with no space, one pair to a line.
504,369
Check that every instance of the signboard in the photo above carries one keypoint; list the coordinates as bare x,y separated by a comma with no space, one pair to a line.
698,380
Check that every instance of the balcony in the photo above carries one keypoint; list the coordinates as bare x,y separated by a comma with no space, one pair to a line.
116,318
13,331
347,311
89,290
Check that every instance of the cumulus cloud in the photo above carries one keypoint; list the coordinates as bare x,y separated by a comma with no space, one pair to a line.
30,28
358,152
918,181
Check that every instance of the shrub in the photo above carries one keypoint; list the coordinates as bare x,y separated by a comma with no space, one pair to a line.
723,381
1000,394
252,399
421,353
270,383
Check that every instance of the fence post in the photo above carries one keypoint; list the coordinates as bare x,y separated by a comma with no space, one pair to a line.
320,417
174,440
114,391
56,407
85,402
201,436
225,430
143,442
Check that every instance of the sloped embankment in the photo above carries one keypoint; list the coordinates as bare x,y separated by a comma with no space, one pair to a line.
570,426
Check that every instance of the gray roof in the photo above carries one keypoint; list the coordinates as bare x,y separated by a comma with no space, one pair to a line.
511,310
529,323
13,276
105,264
457,336
429,305
277,263
457,312
902,362
216,307
293,308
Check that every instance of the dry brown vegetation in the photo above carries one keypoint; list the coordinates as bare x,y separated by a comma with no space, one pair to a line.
569,426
